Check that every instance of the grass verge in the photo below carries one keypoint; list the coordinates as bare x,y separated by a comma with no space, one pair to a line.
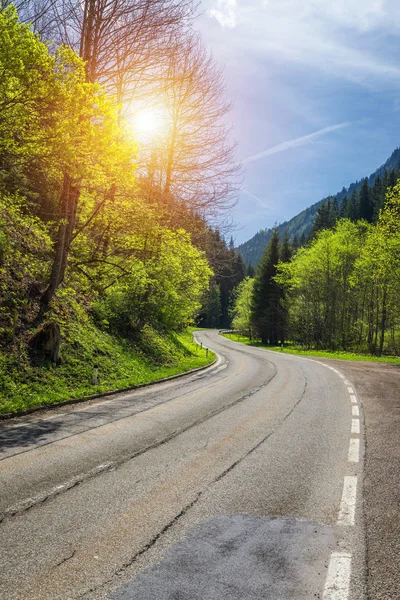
121,363
292,349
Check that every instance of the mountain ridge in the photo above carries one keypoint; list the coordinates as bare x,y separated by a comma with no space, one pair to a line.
252,250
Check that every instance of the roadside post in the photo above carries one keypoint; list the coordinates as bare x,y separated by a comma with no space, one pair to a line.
95,375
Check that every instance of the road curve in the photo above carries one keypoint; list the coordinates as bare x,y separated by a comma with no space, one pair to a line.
242,481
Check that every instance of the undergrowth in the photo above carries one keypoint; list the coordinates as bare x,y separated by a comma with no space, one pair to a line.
295,349
121,363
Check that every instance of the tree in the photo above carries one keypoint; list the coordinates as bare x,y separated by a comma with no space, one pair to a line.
27,91
353,209
91,149
195,166
125,43
266,294
285,255
229,270
318,283
365,202
326,216
344,207
242,307
210,312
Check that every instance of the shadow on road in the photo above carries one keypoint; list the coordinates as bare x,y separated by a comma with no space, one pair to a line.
27,435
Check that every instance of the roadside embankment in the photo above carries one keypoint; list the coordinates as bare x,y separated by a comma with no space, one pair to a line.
119,363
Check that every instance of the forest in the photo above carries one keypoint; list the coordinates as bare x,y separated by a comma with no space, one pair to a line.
107,254
340,288
299,226
117,174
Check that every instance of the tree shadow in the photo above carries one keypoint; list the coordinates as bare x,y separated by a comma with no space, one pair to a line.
27,435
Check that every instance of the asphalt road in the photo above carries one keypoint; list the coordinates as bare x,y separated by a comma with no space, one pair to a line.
242,481
378,386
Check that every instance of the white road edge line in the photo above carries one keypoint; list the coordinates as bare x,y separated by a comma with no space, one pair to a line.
353,399
354,450
350,389
355,411
337,582
355,426
348,502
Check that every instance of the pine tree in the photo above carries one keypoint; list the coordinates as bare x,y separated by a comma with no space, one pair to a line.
335,213
326,216
365,202
286,249
378,197
352,210
266,294
250,271
285,255
344,206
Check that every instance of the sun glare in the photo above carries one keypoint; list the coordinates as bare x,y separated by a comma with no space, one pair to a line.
148,123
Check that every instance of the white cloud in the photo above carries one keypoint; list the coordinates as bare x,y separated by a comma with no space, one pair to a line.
295,143
342,37
225,13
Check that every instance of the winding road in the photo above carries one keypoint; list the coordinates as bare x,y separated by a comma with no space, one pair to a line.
242,481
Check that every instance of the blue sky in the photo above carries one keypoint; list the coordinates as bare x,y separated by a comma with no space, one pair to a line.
316,92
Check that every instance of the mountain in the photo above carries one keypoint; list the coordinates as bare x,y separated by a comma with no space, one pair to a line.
252,250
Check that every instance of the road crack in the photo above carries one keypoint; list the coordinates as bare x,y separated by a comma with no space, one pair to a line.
30,503
199,494
64,560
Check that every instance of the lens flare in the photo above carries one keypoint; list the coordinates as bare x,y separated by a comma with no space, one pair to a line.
148,123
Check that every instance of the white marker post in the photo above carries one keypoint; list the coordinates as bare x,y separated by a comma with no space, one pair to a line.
95,375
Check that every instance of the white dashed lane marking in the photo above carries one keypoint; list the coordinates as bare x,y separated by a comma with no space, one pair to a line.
354,450
338,578
337,583
348,503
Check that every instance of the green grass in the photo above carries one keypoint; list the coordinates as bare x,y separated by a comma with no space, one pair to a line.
292,349
121,364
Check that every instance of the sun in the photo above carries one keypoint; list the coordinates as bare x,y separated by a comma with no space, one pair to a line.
148,123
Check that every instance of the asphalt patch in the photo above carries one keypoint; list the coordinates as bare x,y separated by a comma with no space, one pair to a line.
237,557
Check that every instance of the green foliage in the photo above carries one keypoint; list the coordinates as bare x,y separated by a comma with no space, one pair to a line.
77,235
343,289
211,307
348,206
164,290
228,268
301,351
25,96
121,364
242,309
24,249
267,295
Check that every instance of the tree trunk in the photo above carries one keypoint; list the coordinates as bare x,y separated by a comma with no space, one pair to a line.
68,206
170,162
383,322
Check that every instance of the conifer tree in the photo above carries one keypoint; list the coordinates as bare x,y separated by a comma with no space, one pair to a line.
266,294
365,202
352,211
295,242
344,206
285,255
250,271
326,216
